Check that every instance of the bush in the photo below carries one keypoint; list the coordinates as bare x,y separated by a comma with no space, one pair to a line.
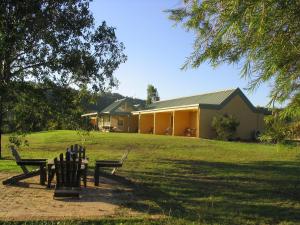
225,126
277,130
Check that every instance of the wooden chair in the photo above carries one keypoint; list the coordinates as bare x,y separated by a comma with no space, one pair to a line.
68,174
41,163
78,152
115,164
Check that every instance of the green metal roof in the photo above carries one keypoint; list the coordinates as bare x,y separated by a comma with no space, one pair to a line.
112,106
214,99
111,109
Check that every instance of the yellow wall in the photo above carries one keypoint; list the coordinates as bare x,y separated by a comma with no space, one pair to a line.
146,123
184,120
249,120
133,123
163,122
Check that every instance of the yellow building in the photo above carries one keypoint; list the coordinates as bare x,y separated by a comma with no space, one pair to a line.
192,116
115,117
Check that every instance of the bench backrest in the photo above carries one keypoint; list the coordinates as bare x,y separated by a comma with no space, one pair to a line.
78,150
17,157
67,171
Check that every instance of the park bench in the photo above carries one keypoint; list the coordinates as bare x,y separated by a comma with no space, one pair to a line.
114,164
41,171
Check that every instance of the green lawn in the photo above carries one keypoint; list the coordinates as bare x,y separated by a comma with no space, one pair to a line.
190,181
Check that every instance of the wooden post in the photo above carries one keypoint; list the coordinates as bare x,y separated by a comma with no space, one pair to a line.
173,130
139,128
128,124
154,123
198,123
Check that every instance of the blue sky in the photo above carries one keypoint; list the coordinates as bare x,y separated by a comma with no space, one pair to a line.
156,50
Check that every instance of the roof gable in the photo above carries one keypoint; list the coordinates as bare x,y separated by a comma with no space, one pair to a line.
114,108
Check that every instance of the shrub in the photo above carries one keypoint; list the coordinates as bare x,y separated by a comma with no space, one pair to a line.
279,130
225,126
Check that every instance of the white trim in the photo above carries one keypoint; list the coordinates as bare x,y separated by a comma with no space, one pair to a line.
89,114
183,107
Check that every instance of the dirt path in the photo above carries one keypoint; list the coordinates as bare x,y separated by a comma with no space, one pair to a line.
31,201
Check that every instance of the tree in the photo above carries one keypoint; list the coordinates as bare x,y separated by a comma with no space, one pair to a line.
57,41
262,34
152,94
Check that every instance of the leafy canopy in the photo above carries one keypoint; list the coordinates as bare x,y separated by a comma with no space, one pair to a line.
262,34
57,41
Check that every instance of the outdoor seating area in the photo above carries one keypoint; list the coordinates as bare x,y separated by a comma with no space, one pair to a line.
70,170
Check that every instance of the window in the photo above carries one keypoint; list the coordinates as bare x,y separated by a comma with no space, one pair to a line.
120,122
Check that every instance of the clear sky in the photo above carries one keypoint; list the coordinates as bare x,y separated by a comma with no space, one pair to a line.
156,50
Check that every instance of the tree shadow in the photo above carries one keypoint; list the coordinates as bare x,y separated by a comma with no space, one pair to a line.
222,193
207,192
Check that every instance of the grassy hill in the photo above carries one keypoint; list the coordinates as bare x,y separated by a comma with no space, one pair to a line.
191,180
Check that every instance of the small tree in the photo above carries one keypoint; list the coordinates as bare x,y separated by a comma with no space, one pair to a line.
152,94
225,126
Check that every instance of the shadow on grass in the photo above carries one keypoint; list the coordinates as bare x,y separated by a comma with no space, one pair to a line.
211,192
222,193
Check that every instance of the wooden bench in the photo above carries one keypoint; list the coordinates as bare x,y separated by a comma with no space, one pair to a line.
115,164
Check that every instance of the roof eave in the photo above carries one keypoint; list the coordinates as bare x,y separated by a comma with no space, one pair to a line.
165,109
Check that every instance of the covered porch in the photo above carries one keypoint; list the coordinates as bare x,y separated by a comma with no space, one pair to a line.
181,122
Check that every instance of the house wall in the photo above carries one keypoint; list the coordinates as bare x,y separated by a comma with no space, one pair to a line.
134,123
146,123
93,121
129,122
120,123
163,122
249,121
184,120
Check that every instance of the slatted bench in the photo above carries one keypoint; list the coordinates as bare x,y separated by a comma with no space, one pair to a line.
115,164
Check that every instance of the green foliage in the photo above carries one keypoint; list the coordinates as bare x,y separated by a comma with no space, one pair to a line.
262,35
281,126
57,41
152,94
43,106
225,126
47,106
18,140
